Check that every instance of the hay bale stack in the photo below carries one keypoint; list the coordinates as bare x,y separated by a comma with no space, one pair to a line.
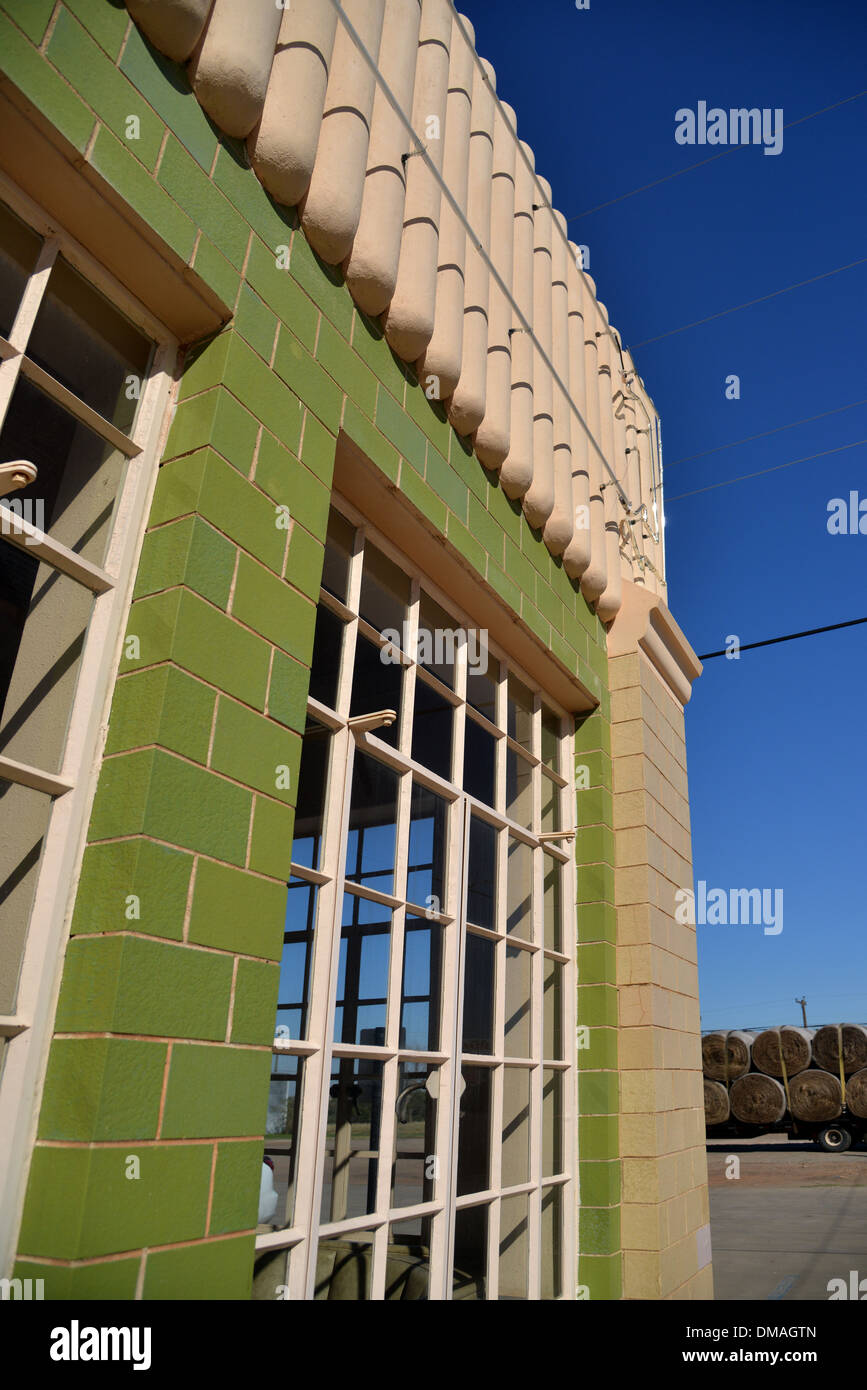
826,1047
716,1103
725,1056
776,1046
757,1099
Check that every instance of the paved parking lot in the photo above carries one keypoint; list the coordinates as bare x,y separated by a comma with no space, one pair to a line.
792,1220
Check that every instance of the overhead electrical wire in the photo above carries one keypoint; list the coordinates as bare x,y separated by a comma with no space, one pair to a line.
576,217
748,439
775,468
789,637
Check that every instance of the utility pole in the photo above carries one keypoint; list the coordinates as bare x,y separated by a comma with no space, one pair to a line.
803,1004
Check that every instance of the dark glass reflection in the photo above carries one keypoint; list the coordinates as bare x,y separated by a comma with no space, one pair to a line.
338,549
362,976
372,824
427,848
551,1245
325,669
344,1268
295,966
517,983
480,761
519,789
482,875
514,1247
519,884
433,721
471,1253
352,1138
88,345
553,904
550,739
422,985
384,593
550,805
515,1157
552,1010
482,689
474,1135
376,684
520,708
281,1137
437,640
415,1134
478,1029
19,248
312,786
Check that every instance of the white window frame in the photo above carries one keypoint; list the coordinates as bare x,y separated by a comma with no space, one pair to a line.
319,1051
28,1031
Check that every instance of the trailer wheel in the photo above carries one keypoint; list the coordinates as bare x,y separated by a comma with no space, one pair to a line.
834,1139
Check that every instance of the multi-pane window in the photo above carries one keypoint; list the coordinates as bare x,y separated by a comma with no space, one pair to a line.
421,1121
82,386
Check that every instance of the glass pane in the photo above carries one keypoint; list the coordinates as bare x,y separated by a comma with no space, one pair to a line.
339,543
437,640
362,977
428,818
376,684
422,985
407,1264
414,1162
474,1134
520,723
550,805
270,1273
327,646
44,617
372,824
552,1243
312,787
550,739
89,346
277,1191
25,815
79,475
514,1247
478,1030
519,887
553,900
471,1253
296,963
344,1268
384,595
552,1010
482,687
482,875
516,1126
433,722
518,976
552,1123
519,789
480,762
19,248
352,1138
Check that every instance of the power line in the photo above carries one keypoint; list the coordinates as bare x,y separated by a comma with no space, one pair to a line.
744,477
790,637
762,298
709,160
808,419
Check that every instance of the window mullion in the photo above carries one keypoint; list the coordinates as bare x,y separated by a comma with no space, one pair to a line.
31,301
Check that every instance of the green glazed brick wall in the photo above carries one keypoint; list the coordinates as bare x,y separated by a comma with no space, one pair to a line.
162,1038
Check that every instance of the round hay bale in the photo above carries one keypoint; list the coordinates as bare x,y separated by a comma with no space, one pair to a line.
856,1093
725,1055
788,1044
716,1103
815,1095
757,1099
826,1049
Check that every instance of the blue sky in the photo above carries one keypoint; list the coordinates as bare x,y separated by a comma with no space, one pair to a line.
775,741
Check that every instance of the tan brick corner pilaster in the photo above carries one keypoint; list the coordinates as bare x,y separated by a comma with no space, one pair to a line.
665,1232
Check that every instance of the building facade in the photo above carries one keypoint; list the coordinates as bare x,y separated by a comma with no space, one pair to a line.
342,751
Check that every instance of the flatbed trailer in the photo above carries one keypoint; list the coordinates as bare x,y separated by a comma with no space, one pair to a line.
832,1136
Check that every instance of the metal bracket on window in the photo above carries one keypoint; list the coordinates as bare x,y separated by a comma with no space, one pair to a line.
366,723
551,835
19,473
